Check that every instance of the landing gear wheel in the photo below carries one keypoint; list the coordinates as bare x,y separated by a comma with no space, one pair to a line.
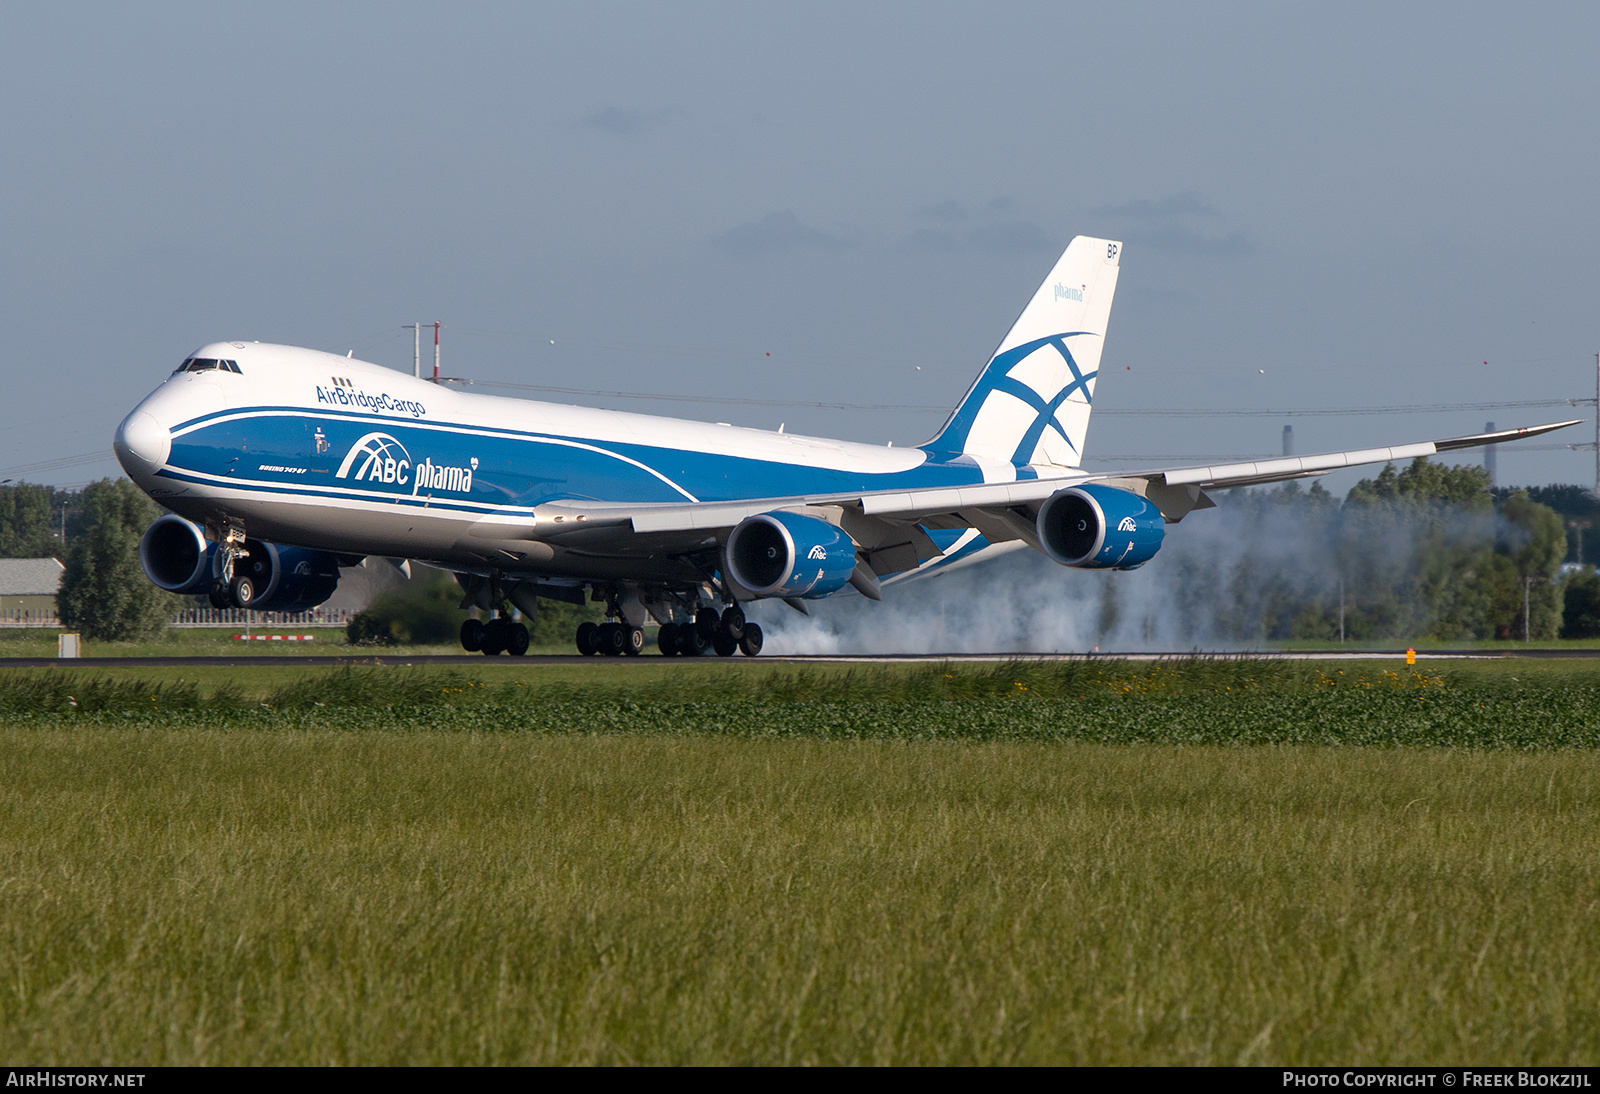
667,640
494,637
472,635
733,621
516,639
705,623
690,641
613,639
632,640
725,644
750,641
219,595
588,638
242,590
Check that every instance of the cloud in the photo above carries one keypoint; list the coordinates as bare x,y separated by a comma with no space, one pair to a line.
622,122
1186,204
776,233
1183,223
989,228
947,212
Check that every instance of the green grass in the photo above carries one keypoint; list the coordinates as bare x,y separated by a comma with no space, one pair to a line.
412,897
1491,704
1078,862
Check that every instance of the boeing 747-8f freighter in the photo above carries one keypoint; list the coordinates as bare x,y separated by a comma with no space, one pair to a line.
280,464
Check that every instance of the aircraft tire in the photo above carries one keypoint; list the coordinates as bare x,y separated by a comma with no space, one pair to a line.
494,637
517,638
218,595
751,640
733,621
242,591
690,644
725,644
632,640
667,640
588,638
612,639
705,622
472,635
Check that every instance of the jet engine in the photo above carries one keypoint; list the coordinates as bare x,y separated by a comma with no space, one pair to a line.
176,556
1100,528
287,579
790,555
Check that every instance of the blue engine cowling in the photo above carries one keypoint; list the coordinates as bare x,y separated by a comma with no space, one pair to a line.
1100,528
790,555
288,579
176,556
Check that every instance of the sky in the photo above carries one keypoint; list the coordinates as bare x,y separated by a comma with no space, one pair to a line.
753,208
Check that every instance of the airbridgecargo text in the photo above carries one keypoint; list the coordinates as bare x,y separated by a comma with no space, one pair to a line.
341,397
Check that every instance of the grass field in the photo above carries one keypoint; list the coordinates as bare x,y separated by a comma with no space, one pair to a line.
1075,863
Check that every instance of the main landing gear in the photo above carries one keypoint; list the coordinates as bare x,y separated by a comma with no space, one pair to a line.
725,634
499,635
610,639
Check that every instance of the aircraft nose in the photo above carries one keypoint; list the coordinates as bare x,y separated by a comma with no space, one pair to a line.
142,444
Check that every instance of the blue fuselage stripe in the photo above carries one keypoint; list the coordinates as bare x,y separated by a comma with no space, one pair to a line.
458,466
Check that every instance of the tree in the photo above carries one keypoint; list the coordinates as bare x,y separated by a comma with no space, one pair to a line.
1580,617
1535,540
423,611
104,592
1579,510
25,522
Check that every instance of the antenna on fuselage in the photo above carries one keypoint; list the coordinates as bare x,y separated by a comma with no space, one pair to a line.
436,325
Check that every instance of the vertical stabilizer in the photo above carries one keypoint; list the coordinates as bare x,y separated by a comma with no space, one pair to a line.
1030,405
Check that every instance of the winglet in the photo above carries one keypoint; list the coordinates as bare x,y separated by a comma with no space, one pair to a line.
1477,439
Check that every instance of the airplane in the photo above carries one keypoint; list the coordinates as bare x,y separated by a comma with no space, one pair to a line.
278,465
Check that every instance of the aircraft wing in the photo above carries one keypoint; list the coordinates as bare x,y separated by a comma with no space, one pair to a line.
888,525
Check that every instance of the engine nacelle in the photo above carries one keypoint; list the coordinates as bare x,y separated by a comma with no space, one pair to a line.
790,555
176,556
288,579
1100,528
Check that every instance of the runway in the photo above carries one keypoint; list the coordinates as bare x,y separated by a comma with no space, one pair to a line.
466,660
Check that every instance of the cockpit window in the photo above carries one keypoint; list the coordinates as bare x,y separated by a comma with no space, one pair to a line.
207,364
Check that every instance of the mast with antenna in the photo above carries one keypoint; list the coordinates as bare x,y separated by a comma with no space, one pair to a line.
416,351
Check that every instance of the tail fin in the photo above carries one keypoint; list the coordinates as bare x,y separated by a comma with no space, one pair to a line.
1031,404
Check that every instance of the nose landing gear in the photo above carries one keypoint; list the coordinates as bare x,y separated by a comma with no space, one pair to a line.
230,588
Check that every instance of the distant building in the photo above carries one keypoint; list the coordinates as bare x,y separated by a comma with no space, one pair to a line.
28,586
